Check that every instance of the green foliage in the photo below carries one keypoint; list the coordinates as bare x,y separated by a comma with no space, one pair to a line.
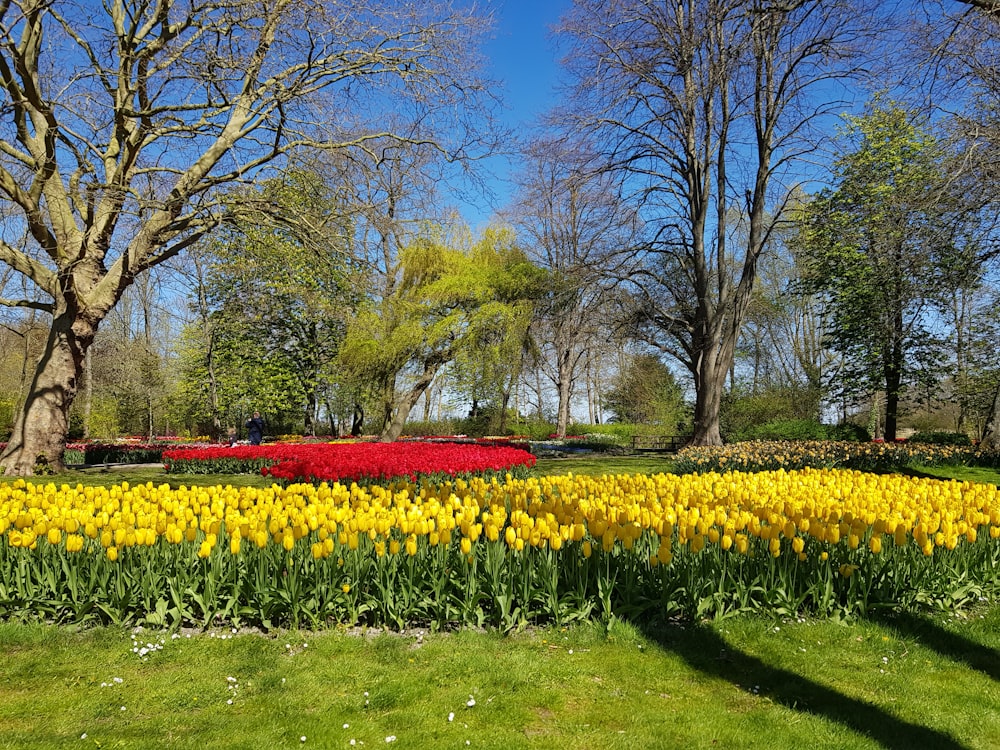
104,422
6,417
646,392
276,295
434,427
941,438
873,253
533,428
745,412
804,429
617,432
848,432
451,305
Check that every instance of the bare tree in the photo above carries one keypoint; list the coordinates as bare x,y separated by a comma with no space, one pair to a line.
703,107
121,119
583,235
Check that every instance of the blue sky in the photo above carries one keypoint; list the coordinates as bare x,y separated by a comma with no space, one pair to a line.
524,55
524,60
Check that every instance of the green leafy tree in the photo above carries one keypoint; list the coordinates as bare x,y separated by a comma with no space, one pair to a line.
277,295
646,392
876,250
448,303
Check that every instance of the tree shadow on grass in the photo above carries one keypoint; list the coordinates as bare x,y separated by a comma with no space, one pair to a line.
948,644
705,650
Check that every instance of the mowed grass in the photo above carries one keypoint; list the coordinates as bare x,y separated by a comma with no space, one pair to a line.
915,682
928,681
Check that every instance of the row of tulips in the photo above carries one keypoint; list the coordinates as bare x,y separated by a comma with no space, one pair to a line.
352,462
122,451
498,553
770,455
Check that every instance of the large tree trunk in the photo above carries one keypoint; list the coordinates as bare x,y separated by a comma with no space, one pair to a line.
40,427
394,427
710,379
894,376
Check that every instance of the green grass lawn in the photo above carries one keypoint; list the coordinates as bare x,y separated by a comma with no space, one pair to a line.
970,473
929,681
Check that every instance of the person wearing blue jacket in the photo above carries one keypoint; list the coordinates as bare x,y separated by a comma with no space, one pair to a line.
255,428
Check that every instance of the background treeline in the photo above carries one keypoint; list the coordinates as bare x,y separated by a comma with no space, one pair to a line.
760,265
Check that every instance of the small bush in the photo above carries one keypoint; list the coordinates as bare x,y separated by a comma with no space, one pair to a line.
788,429
615,432
804,429
941,437
531,428
848,432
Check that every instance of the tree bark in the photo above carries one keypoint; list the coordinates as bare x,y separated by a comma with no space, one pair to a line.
40,428
357,421
394,427
710,379
564,385
991,433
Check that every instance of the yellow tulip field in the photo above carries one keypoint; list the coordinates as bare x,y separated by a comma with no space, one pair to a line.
496,553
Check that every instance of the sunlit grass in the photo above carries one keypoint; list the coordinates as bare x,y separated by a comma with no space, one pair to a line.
747,683
968,473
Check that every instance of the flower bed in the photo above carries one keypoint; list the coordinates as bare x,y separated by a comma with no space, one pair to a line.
131,452
764,455
128,451
497,553
357,462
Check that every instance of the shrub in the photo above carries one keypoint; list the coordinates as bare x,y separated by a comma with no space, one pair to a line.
941,437
848,432
789,429
532,428
744,410
432,428
805,429
614,432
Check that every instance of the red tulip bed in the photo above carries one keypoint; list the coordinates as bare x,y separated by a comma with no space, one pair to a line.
353,462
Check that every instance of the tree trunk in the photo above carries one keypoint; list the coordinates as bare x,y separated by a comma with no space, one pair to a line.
42,423
894,376
564,385
504,405
89,402
394,428
710,380
309,413
991,434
